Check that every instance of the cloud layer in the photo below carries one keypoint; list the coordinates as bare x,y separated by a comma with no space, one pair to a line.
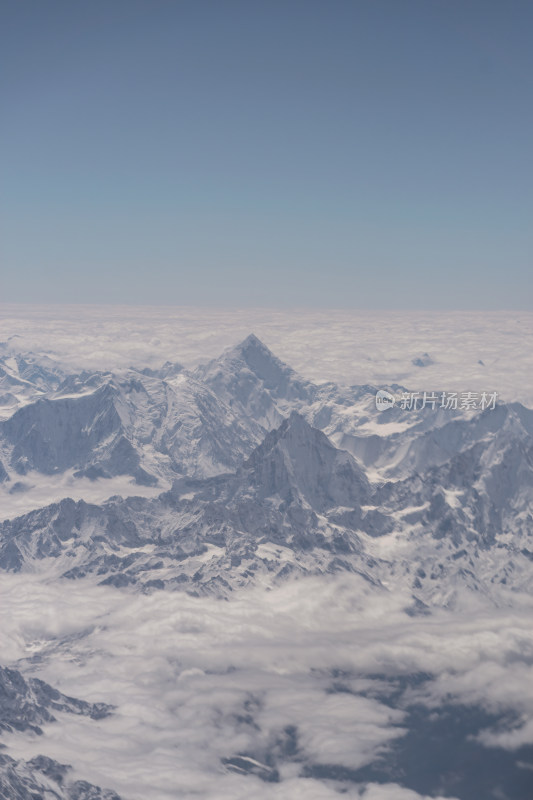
344,346
284,680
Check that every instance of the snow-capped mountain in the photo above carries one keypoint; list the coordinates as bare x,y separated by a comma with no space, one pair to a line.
257,490
43,777
23,379
251,379
156,424
26,705
231,478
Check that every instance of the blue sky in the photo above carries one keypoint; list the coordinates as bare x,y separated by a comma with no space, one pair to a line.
355,154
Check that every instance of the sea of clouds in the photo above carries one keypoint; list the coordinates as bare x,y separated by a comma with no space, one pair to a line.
196,681
343,346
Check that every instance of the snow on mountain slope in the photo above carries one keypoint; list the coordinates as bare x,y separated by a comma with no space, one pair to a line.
132,424
202,531
461,481
41,778
24,379
298,458
255,381
54,435
431,438
156,424
296,505
26,706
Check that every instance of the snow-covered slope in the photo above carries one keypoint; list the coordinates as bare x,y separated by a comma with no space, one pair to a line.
26,705
298,504
258,490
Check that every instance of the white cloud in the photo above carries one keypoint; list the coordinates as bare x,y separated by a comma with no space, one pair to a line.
392,791
197,680
344,346
43,490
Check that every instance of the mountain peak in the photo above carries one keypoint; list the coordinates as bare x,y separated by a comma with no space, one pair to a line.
250,353
296,456
255,354
296,437
252,341
251,375
295,423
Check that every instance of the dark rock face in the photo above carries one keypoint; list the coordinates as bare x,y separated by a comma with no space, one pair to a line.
53,435
298,459
26,704
43,778
250,378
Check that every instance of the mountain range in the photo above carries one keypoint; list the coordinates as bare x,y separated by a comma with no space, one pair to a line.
255,471
239,473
